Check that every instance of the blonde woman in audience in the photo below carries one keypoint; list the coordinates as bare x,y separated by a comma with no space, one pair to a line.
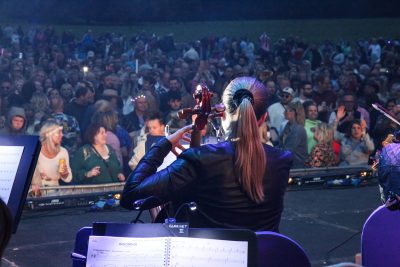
322,154
53,163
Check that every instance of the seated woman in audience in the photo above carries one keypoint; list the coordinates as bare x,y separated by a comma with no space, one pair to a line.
294,136
53,162
356,145
109,119
96,162
322,154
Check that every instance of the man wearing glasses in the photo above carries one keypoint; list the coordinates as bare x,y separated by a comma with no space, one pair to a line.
305,93
276,111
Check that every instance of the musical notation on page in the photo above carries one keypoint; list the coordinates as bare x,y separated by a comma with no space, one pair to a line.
106,251
207,252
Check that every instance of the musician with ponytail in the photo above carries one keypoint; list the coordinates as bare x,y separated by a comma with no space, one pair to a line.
238,183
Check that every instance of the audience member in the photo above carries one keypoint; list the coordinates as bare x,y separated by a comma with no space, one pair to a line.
134,121
322,154
311,122
274,98
152,95
347,101
96,162
355,145
15,123
66,92
305,92
324,96
53,162
156,128
171,115
294,136
40,105
176,85
71,131
77,107
276,111
109,119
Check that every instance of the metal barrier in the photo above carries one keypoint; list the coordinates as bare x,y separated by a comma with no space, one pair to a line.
322,175
79,189
85,195
69,196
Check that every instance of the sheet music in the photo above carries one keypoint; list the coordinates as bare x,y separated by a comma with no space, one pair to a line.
170,158
10,157
200,252
107,251
165,251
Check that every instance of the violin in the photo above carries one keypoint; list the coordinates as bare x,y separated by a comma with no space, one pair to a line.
203,112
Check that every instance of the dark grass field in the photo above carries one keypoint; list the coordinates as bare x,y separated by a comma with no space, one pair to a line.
310,30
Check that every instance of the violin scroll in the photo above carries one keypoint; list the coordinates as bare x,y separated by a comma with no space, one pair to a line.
203,108
203,111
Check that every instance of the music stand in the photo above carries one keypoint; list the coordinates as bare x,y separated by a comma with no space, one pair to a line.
17,189
159,230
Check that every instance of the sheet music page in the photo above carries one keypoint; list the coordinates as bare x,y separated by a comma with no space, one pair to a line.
10,157
126,251
169,159
207,252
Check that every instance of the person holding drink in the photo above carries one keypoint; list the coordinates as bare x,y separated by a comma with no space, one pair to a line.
53,162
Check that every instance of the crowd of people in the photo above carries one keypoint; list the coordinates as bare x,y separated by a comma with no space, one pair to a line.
97,101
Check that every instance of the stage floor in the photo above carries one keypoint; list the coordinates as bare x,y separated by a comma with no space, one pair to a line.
318,219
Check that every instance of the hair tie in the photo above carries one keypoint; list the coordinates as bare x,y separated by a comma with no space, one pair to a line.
240,95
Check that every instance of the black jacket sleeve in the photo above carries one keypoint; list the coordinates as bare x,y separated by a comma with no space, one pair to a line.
144,181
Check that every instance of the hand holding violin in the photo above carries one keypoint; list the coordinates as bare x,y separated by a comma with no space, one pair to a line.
179,135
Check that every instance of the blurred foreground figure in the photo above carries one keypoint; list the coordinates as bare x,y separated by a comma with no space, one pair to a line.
5,226
389,170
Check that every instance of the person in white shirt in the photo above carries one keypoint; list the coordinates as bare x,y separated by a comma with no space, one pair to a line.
53,163
276,111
